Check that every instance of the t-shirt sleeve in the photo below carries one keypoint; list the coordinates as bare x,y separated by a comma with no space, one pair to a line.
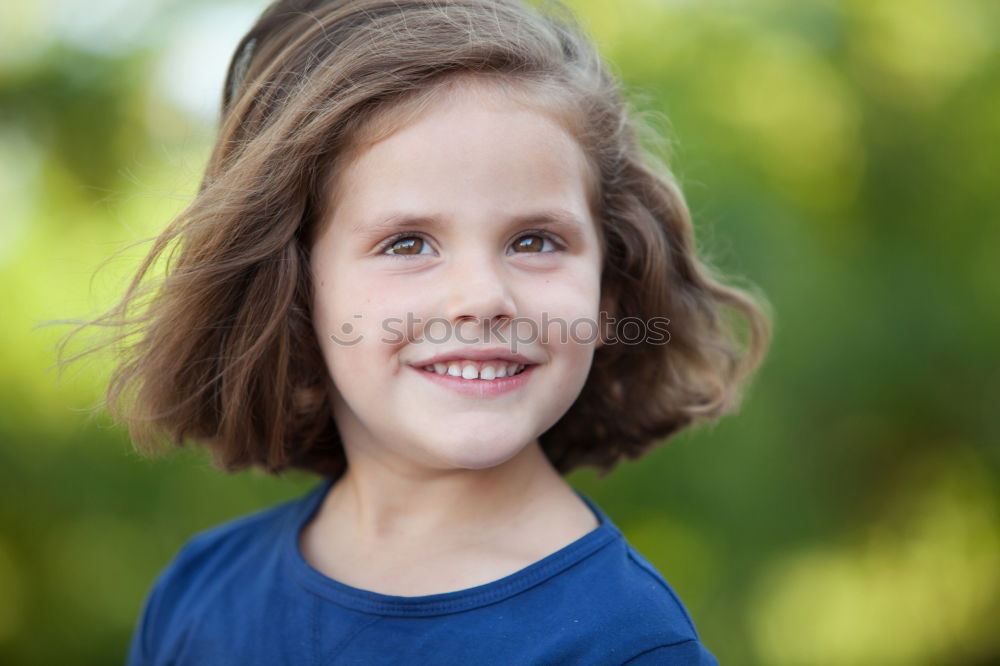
163,597
179,592
687,653
139,647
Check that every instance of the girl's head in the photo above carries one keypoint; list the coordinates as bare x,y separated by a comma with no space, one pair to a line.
493,138
447,246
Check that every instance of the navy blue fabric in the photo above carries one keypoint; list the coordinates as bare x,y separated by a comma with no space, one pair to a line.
241,593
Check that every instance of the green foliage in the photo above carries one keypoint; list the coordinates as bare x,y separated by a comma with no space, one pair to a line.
840,155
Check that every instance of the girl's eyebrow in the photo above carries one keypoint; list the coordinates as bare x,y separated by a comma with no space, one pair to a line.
556,218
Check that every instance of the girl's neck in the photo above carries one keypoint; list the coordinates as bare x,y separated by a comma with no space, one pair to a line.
459,530
375,503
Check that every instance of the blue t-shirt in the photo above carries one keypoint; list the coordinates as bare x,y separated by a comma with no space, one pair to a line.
241,593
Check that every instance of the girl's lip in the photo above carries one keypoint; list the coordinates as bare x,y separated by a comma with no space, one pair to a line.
480,388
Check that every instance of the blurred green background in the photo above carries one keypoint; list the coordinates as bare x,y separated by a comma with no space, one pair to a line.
841,155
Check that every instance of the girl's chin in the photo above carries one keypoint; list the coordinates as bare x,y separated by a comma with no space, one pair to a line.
478,455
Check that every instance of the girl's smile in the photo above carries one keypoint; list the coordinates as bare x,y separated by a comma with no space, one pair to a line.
476,215
491,379
477,372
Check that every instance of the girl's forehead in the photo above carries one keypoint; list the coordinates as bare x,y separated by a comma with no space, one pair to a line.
447,110
462,154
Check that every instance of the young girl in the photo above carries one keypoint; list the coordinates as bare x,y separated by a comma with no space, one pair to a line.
430,263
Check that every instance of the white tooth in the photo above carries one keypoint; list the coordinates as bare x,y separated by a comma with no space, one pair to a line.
520,367
511,369
441,368
469,372
429,368
454,369
488,373
501,371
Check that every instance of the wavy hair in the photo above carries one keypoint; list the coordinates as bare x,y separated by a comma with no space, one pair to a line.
221,349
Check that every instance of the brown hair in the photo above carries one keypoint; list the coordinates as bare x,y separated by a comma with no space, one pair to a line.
223,351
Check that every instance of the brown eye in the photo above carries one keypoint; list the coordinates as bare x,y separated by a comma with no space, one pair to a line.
531,243
408,245
537,242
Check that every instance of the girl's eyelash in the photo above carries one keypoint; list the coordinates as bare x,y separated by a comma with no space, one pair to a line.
389,242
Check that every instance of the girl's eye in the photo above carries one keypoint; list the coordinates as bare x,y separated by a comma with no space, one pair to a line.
533,242
406,245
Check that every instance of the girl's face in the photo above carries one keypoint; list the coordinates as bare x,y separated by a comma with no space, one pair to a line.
467,236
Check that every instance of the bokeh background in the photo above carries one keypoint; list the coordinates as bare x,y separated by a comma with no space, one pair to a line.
843,156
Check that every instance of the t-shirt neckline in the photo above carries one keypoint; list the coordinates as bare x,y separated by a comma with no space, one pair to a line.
443,603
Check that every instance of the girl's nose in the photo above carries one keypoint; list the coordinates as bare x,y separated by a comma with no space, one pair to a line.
478,290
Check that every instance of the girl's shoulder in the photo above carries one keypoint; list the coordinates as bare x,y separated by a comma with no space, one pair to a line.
617,587
239,553
243,537
626,590
627,575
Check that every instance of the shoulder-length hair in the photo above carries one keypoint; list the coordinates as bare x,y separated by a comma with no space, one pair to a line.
221,350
